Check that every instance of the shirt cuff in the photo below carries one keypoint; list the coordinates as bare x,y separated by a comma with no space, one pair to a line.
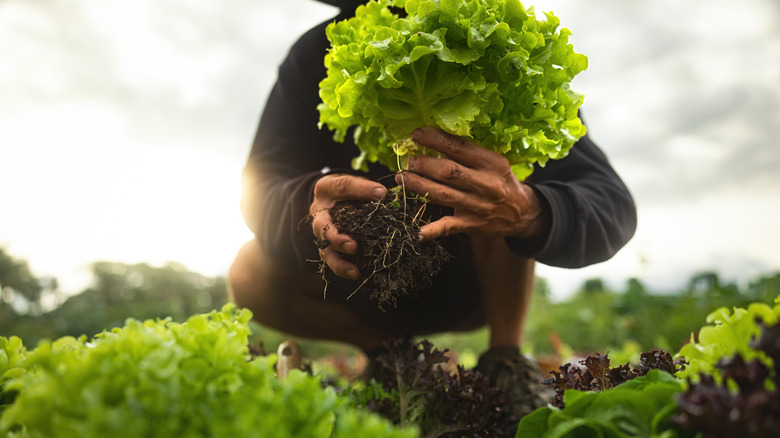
561,214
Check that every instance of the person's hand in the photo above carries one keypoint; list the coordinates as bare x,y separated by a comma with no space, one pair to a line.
329,190
487,198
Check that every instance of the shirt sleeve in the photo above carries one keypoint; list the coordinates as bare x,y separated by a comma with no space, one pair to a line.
288,157
592,211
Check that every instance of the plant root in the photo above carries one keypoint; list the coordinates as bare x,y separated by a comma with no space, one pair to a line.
391,258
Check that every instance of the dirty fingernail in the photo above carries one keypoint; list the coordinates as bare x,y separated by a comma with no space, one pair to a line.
350,247
379,192
352,273
417,134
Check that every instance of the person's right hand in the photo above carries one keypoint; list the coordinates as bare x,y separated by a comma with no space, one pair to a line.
329,190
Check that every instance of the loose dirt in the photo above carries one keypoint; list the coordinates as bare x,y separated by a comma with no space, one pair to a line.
391,258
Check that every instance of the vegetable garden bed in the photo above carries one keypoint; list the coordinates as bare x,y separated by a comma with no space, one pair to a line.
198,379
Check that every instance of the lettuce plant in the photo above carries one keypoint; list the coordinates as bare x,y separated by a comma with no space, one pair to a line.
745,404
599,376
487,70
165,379
411,386
730,387
728,333
640,407
734,374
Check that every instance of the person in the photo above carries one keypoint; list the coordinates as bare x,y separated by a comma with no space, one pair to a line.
573,212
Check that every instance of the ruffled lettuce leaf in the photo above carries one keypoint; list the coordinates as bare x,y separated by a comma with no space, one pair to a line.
746,403
488,70
728,333
158,378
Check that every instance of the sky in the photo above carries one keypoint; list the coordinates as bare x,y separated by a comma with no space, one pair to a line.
124,126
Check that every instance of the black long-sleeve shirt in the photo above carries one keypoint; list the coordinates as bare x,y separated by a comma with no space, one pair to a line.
593,214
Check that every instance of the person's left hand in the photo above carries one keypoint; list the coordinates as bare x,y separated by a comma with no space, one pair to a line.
487,198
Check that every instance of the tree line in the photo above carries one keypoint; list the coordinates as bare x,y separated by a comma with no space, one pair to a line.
596,318
593,319
33,308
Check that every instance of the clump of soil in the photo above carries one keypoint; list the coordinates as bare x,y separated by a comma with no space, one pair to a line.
391,258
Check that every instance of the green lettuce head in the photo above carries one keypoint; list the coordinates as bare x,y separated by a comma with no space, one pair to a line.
487,70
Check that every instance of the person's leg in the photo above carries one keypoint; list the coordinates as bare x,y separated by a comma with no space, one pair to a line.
292,301
507,284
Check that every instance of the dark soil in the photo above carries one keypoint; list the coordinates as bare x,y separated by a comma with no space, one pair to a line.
391,258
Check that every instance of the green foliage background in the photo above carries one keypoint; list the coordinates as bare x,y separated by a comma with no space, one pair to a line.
596,318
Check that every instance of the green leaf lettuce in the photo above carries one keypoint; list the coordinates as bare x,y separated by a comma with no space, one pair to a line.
165,379
483,69
728,333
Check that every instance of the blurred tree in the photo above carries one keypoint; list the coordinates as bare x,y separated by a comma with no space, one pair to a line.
593,286
765,288
15,276
141,291
120,291
635,288
708,285
541,290
594,319
7,318
584,321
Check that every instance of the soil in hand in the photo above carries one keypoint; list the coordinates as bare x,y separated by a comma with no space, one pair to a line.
391,258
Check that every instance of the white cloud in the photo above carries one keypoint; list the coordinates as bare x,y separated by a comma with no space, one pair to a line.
117,127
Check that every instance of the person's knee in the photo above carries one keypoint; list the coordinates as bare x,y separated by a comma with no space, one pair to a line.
288,299
265,286
243,275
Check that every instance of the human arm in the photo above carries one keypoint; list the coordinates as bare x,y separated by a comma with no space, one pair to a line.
295,170
288,156
593,214
571,213
486,197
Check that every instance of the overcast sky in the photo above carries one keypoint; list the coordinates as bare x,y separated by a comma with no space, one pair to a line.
124,126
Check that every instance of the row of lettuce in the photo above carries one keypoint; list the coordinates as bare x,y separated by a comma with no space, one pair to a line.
724,383
198,379
164,379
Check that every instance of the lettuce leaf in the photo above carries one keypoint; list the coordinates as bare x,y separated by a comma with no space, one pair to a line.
483,69
728,333
166,379
640,407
